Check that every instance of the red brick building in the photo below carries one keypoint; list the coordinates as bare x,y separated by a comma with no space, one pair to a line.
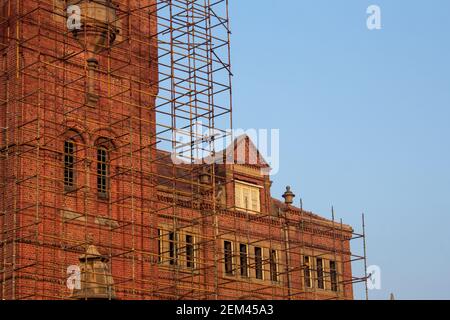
85,112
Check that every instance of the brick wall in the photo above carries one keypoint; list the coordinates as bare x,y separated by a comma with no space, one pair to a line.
45,228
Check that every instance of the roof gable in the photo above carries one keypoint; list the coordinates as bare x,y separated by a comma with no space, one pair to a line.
242,151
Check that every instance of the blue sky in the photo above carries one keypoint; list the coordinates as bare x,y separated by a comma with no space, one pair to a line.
364,118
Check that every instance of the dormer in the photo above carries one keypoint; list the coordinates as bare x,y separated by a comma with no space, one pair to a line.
248,184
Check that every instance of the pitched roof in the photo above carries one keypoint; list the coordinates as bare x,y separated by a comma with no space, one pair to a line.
241,151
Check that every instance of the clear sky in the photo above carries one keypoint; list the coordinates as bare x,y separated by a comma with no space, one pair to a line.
364,118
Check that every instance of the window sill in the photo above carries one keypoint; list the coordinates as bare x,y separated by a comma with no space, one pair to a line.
69,189
247,211
103,196
229,275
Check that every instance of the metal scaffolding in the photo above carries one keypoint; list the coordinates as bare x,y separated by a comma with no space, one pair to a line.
100,149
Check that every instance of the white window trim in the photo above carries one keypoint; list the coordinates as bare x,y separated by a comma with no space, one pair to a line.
324,273
310,272
249,184
251,188
180,249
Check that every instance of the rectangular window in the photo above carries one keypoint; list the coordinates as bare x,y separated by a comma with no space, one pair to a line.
172,248
69,164
258,263
159,246
333,276
102,172
190,251
243,258
228,257
320,282
307,271
273,266
247,197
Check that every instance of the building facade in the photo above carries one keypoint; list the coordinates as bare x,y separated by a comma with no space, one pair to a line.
92,204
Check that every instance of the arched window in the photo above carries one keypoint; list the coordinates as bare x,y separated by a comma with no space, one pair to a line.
69,164
102,172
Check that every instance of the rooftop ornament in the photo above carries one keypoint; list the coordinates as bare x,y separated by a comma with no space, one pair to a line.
288,196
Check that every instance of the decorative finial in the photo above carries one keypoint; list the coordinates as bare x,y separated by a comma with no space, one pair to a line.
288,196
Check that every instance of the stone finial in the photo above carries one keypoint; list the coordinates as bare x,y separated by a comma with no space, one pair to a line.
288,196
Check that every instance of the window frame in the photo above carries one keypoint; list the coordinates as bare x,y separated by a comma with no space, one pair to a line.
273,265
253,195
173,248
160,246
320,274
69,185
103,185
307,272
193,253
334,276
259,262
177,249
228,258
243,257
